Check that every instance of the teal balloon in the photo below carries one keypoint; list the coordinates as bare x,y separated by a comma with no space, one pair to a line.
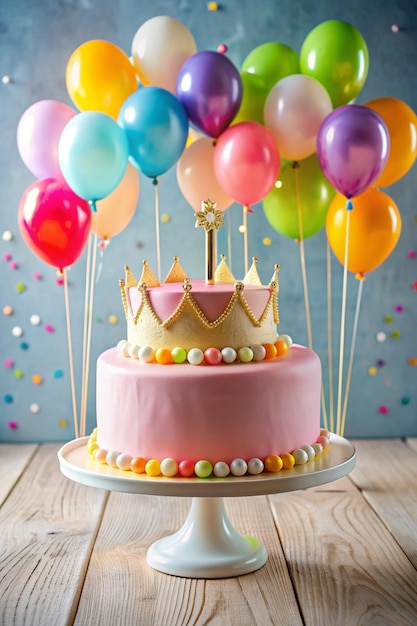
93,155
336,54
270,62
156,127
312,192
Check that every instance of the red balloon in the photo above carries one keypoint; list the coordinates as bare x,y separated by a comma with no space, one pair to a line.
246,162
54,222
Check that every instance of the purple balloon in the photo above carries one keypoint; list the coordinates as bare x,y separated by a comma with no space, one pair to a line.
352,148
210,88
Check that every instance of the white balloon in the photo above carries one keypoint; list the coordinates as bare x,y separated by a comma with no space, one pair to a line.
160,48
294,110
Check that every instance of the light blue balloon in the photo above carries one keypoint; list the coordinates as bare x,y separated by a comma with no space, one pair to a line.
156,127
93,154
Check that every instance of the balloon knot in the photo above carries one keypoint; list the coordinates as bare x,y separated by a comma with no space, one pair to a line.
93,206
349,205
248,209
360,276
295,165
155,181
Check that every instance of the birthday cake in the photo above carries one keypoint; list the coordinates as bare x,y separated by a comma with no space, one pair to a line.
203,385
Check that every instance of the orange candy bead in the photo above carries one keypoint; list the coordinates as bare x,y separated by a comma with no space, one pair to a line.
163,356
270,350
288,461
281,348
137,465
273,463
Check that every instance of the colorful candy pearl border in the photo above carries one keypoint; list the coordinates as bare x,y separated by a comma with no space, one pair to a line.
210,356
169,468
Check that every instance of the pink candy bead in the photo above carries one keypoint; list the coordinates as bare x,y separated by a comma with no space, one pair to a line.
186,468
212,356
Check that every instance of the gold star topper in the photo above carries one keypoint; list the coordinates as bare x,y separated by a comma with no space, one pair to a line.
210,217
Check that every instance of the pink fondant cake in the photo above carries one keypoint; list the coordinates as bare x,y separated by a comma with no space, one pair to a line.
203,385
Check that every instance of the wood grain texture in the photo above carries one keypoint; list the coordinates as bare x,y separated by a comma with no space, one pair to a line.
145,596
13,460
47,528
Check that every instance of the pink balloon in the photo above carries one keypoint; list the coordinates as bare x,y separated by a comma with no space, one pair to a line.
246,162
54,222
38,134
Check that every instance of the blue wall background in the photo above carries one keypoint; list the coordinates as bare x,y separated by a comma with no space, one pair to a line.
36,41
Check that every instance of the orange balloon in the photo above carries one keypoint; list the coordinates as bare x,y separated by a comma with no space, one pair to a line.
99,77
116,210
401,122
374,229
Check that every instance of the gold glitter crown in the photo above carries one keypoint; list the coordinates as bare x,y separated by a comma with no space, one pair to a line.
187,325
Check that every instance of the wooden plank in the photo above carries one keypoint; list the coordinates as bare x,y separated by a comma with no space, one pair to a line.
121,588
346,567
386,472
412,443
47,527
13,460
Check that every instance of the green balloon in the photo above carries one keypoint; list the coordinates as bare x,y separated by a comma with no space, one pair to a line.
253,99
313,193
271,62
335,54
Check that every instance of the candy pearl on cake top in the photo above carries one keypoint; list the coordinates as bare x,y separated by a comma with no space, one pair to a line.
133,351
178,355
203,468
123,461
238,467
286,339
258,352
146,354
255,466
212,356
221,469
300,456
311,453
195,356
123,347
229,355
245,355
169,467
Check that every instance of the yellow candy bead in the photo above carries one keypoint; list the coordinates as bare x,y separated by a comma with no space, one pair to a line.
91,446
153,468
273,463
288,460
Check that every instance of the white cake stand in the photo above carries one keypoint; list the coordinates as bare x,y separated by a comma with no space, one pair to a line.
207,545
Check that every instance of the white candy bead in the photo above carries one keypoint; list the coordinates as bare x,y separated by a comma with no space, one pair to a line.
221,469
123,461
35,320
255,466
300,456
238,467
229,355
311,453
111,457
195,356
123,347
133,351
169,467
286,339
318,448
258,352
146,354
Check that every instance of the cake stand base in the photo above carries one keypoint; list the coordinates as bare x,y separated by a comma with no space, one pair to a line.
207,546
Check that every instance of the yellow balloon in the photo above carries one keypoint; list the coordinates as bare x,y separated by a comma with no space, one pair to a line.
99,77
374,229
116,210
401,122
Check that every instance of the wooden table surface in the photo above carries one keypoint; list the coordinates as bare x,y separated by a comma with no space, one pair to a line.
340,554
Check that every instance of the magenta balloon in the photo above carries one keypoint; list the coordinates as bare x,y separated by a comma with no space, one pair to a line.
210,88
352,148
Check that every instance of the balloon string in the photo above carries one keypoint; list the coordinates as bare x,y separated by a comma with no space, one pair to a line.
303,261
305,284
245,237
71,361
229,241
329,336
352,349
85,325
342,325
88,332
158,245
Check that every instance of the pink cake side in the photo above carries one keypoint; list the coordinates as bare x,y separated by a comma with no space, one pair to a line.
217,413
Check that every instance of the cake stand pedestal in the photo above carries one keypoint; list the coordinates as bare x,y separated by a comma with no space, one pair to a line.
207,545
